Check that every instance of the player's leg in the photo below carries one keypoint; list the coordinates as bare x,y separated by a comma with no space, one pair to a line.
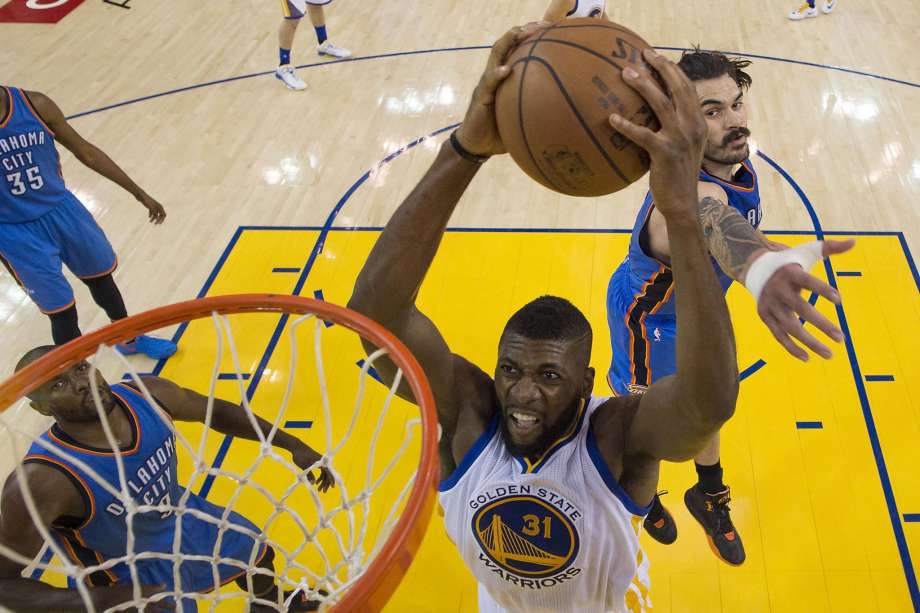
628,375
708,502
28,251
318,19
293,12
89,255
806,11
264,587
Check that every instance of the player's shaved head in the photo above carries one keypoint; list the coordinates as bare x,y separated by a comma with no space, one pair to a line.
33,354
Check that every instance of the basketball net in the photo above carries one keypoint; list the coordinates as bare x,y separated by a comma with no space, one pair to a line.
333,542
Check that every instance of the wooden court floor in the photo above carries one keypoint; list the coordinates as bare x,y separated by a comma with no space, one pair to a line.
822,457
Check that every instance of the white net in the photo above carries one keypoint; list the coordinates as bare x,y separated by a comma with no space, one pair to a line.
369,441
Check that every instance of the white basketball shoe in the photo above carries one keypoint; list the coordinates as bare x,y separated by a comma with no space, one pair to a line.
328,49
828,6
287,76
803,12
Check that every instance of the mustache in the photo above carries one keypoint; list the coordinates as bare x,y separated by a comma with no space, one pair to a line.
736,133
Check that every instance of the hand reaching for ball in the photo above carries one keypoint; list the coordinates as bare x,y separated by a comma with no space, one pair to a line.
676,149
478,133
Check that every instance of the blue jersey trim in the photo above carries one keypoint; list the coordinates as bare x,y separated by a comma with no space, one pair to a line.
612,484
471,455
574,8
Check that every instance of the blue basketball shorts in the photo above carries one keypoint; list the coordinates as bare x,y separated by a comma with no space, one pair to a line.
644,345
34,251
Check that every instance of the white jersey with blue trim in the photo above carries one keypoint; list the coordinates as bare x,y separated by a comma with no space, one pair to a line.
558,534
587,8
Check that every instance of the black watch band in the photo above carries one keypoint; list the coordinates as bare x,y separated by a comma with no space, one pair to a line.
466,155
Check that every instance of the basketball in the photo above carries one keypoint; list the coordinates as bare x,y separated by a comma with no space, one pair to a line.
553,109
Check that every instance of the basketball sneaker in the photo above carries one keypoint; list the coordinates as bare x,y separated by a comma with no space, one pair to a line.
659,524
330,50
827,6
804,12
711,511
151,346
287,76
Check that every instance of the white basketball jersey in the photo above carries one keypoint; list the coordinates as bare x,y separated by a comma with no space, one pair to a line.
587,8
559,534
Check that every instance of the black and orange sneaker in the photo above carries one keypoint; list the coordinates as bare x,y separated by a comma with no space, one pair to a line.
659,524
712,512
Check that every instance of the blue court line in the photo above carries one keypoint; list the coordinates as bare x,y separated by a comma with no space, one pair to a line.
298,424
318,294
809,425
871,430
264,73
371,371
232,376
910,259
849,273
912,517
893,233
871,378
301,281
750,370
285,269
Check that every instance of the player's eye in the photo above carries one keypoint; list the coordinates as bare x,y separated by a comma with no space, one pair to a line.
551,375
712,113
507,369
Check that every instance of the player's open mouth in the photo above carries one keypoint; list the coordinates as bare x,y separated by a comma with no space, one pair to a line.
523,422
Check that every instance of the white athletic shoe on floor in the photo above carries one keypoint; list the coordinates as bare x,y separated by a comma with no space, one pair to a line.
331,50
828,6
803,12
287,76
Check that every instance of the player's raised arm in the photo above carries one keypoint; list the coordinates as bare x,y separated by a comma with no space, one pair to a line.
92,156
736,245
678,414
389,282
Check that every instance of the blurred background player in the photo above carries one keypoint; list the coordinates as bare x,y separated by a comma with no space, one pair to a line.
91,524
43,225
570,9
293,13
808,10
640,296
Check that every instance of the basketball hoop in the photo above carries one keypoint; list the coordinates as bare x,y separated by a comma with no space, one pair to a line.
355,579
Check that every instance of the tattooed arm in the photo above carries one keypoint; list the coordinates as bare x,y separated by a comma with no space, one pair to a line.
735,245
732,241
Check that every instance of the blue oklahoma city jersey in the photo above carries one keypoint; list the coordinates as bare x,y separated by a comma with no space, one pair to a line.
30,168
150,473
640,297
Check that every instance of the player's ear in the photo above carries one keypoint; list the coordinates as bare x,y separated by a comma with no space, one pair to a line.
588,383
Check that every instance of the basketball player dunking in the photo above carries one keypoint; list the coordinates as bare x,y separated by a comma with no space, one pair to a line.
570,9
641,297
90,524
545,485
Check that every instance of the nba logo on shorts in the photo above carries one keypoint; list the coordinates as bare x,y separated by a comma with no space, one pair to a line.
37,11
